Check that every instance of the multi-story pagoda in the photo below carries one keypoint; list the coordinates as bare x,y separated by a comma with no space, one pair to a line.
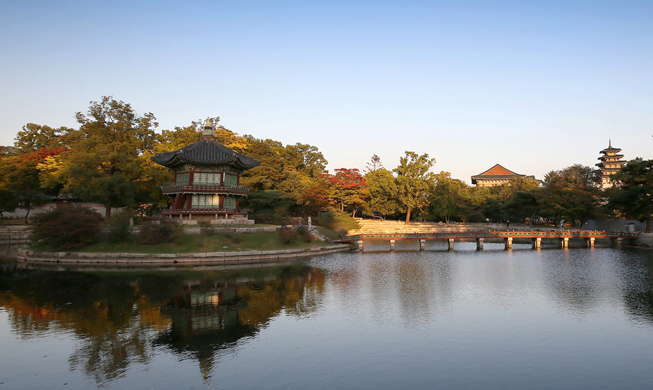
207,179
610,164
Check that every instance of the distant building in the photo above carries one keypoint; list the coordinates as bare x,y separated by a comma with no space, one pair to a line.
496,176
207,179
610,164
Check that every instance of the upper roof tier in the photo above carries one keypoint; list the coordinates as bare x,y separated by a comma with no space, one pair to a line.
206,152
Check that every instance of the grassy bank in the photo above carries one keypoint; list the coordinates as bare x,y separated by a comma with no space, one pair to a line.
190,243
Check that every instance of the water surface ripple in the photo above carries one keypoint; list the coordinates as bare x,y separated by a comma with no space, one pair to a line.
492,319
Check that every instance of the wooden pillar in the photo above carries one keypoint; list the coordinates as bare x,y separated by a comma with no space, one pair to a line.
392,245
479,244
565,242
508,242
615,242
451,240
537,243
360,246
422,244
590,242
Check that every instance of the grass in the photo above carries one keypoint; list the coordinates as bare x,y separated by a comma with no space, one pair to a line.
191,243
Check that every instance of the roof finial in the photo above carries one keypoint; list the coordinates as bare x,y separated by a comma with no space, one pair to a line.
208,133
609,143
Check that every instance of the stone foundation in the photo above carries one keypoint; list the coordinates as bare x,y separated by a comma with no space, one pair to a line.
139,261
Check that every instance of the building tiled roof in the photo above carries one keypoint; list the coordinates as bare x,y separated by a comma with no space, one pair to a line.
206,152
497,172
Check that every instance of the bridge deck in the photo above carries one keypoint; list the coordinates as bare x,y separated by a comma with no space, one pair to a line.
488,234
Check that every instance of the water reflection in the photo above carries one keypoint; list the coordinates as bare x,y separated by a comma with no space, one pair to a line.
119,320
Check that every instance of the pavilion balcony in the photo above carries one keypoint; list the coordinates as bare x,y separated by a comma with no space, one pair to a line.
170,188
204,211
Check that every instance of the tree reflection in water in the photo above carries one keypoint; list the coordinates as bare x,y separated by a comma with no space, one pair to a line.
120,319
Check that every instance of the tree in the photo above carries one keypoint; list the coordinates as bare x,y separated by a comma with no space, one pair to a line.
413,180
522,205
349,189
633,191
20,173
8,202
447,196
306,159
106,161
383,191
35,137
569,194
374,164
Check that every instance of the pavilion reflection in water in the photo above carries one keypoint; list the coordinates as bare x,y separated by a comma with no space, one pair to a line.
118,319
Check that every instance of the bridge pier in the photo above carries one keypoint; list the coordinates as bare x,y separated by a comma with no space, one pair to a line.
590,242
615,242
451,240
508,242
422,244
564,242
360,245
392,245
537,243
479,244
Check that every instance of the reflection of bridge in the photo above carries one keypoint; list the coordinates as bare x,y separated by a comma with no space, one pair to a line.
507,236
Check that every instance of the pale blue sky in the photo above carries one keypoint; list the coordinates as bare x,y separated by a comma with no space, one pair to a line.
534,86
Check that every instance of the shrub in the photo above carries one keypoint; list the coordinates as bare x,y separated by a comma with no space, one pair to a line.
287,234
337,221
68,227
206,228
159,230
303,232
118,228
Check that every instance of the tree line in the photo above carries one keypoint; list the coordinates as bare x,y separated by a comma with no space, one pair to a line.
106,159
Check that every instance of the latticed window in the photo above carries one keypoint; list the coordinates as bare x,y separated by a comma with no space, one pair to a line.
209,201
231,180
229,202
182,178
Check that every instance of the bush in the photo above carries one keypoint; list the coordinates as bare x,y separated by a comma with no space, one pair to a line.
118,228
303,232
158,230
206,228
287,234
68,227
337,221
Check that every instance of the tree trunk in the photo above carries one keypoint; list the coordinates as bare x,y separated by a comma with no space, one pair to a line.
353,214
447,219
408,215
648,224
107,209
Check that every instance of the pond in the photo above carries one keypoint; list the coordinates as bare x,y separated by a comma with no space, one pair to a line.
492,319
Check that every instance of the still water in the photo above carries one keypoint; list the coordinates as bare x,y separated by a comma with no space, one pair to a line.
548,319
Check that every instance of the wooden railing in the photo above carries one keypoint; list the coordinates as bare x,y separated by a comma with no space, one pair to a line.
489,234
171,188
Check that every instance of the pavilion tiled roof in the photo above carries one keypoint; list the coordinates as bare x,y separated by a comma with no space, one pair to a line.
206,152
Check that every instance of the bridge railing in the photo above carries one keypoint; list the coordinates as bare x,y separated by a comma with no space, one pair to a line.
489,234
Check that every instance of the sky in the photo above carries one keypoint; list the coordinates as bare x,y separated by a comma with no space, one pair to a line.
532,85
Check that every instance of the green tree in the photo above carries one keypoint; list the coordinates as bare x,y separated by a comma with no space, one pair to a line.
106,161
522,205
633,191
8,201
413,181
383,191
570,194
35,137
448,196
